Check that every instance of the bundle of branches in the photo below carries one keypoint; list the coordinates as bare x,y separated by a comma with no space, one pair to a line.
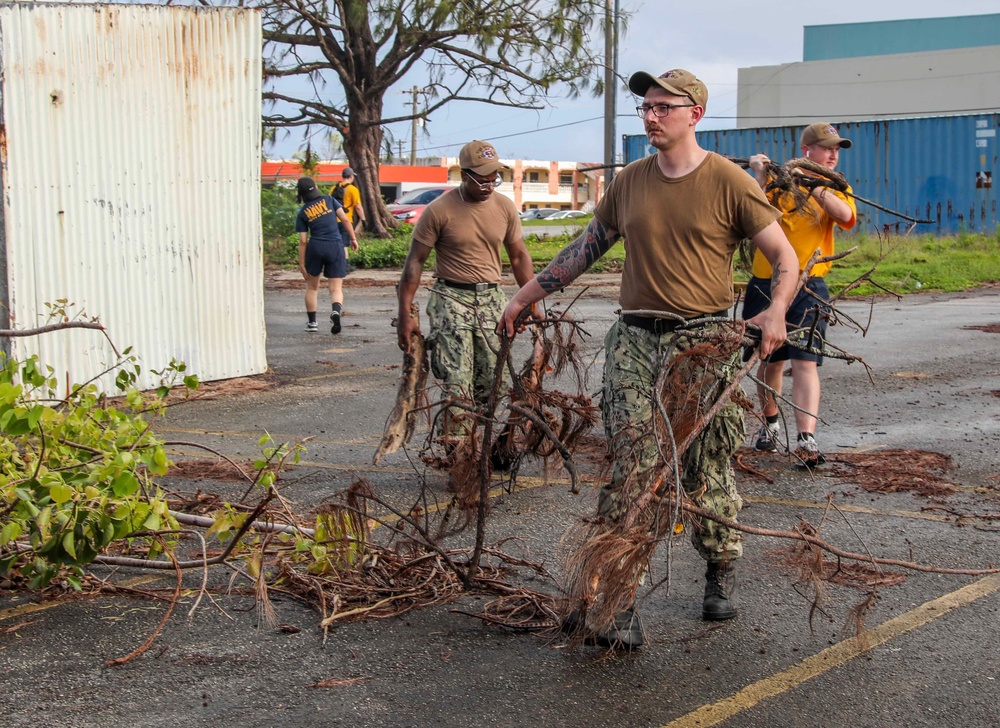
347,576
539,422
797,177
607,557
554,349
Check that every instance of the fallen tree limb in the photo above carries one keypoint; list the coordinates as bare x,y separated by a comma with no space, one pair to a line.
830,548
402,420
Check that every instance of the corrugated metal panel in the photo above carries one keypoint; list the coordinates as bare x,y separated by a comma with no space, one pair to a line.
131,178
940,168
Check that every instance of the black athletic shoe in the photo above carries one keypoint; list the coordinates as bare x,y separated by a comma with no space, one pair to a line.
768,437
335,321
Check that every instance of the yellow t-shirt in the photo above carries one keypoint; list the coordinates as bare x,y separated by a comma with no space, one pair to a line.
681,234
467,236
352,198
806,231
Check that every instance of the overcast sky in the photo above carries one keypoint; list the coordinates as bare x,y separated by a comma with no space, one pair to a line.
712,38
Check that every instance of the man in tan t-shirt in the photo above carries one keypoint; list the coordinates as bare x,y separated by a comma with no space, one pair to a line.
466,227
682,213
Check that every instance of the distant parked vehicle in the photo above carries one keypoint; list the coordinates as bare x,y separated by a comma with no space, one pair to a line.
410,205
566,215
541,213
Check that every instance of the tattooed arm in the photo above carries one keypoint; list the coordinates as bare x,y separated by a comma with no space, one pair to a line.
565,268
577,257
774,246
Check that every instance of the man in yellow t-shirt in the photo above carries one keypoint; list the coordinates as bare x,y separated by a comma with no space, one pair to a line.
808,230
348,195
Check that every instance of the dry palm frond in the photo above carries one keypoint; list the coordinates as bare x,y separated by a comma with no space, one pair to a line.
603,569
402,420
896,470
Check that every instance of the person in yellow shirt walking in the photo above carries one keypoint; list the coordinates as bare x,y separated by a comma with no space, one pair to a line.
347,194
807,230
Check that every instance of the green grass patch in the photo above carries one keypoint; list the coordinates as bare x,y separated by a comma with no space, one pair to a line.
919,263
581,221
916,263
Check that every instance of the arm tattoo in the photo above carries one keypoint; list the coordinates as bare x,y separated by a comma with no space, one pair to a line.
576,257
776,276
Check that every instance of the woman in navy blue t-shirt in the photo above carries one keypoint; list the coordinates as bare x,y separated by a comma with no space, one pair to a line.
321,249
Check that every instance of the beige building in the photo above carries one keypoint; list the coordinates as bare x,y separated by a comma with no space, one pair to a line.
534,183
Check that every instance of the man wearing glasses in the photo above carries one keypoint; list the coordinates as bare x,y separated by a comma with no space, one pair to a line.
682,213
466,227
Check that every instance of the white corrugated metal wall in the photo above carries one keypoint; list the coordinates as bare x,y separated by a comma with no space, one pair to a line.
131,180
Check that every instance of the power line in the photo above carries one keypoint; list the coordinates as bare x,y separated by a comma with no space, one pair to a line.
528,131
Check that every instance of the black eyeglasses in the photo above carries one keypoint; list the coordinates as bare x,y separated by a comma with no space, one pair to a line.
659,110
484,184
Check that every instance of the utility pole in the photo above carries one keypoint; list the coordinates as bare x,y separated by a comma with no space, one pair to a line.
610,87
413,137
399,143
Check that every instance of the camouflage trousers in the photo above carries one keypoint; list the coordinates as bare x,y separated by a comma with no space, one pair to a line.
632,360
463,343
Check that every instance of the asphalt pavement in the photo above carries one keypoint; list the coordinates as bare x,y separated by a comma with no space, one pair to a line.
928,656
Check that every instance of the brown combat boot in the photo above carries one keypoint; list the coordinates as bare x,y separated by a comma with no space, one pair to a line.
720,588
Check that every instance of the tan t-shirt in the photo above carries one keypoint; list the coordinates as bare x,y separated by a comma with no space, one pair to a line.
467,235
681,234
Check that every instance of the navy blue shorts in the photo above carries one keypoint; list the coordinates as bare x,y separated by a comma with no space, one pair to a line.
805,311
326,258
345,237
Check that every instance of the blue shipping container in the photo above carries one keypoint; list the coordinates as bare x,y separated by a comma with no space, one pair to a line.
940,168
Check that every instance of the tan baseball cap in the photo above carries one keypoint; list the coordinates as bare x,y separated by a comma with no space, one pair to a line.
678,82
481,158
825,134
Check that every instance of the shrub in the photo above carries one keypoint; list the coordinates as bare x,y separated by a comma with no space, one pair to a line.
278,209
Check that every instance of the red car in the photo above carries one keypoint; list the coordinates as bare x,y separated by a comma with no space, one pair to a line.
411,204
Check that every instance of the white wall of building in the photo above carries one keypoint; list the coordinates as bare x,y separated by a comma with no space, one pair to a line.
874,87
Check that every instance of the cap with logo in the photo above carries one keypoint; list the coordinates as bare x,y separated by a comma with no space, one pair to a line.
677,82
481,158
824,134
306,189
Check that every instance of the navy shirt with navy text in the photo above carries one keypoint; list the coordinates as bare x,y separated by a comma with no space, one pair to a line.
319,219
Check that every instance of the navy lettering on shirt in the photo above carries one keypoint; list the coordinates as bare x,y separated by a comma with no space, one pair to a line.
319,219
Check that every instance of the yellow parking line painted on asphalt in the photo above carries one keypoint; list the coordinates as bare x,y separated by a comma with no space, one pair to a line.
353,468
526,482
846,508
255,436
523,483
341,374
835,656
36,607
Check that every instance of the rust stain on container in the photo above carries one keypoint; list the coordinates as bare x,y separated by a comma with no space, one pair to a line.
192,62
40,29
